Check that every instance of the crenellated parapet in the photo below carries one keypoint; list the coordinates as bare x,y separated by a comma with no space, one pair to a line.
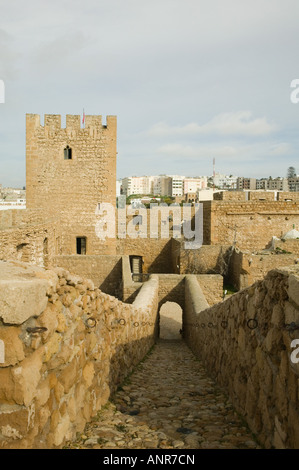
52,122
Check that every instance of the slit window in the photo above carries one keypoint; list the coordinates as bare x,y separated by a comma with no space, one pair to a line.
67,153
81,245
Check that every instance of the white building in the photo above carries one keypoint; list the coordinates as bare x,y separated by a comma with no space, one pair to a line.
225,181
206,194
192,185
177,186
135,185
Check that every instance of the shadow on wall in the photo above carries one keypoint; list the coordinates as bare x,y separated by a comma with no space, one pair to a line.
163,262
125,358
170,317
112,283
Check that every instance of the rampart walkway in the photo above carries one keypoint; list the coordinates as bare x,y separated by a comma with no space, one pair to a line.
168,402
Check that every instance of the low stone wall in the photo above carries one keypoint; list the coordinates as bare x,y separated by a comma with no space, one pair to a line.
208,259
289,245
13,218
249,225
104,270
246,267
245,344
230,196
288,196
66,346
36,244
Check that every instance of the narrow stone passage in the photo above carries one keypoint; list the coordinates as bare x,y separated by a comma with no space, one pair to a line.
168,402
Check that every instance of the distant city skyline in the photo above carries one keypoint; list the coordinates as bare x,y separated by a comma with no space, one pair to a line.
188,81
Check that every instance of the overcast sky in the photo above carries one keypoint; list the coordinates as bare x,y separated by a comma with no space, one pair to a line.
189,80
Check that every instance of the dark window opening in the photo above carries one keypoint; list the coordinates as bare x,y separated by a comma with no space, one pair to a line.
136,264
81,245
67,153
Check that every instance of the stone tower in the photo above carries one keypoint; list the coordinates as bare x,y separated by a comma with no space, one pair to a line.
69,172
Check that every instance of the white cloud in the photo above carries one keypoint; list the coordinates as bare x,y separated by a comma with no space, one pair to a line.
237,123
187,151
282,148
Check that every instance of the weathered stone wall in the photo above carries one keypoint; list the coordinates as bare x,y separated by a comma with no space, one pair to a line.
245,344
245,267
230,196
208,259
288,196
262,195
17,218
172,288
35,242
248,225
104,270
156,254
67,347
290,245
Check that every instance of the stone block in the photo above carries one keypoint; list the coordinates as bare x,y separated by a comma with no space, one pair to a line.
88,373
26,378
14,420
52,346
22,299
48,320
13,346
68,376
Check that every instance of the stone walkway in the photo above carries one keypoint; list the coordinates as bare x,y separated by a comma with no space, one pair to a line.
168,402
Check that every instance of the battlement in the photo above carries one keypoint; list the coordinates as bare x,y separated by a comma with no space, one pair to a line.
73,122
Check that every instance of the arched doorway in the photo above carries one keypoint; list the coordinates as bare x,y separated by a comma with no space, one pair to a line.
171,319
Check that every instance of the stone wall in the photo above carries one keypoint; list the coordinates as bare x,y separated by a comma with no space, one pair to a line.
290,245
245,344
67,347
288,196
230,196
156,254
104,270
172,288
246,267
35,242
248,225
208,259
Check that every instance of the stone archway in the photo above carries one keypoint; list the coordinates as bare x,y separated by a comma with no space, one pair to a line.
171,320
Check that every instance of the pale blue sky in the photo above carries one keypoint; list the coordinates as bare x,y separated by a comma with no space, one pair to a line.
189,80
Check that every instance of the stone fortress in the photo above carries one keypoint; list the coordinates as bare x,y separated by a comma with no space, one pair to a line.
78,313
